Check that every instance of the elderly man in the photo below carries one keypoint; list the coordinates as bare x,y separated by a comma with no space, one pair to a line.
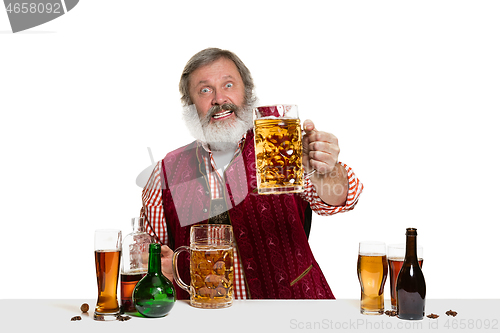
202,183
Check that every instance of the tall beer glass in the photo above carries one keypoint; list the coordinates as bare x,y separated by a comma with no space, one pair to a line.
372,273
395,258
107,249
278,149
211,266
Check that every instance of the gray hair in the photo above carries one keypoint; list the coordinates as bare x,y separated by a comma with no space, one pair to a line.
206,57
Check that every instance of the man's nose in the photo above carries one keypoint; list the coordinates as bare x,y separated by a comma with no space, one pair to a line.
219,98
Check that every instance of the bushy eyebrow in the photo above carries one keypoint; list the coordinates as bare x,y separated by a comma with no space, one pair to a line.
202,82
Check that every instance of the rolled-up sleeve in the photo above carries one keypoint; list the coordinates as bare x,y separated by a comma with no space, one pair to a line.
321,208
152,207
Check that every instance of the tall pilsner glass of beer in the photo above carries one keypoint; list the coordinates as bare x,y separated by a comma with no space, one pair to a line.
395,259
372,273
211,266
278,149
107,250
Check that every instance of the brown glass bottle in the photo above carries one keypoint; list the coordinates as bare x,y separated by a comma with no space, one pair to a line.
410,286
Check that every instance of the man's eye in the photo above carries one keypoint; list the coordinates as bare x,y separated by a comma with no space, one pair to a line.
229,85
205,90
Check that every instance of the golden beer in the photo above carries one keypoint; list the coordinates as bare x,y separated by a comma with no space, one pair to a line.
107,264
211,266
211,275
278,152
107,252
372,273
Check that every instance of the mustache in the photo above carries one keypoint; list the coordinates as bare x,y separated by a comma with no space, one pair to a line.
218,108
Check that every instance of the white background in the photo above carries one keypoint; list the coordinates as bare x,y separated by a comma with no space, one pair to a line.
411,89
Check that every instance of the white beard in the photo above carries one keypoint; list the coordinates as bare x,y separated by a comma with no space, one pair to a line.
221,135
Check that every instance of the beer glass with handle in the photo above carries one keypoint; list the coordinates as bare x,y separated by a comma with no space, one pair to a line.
211,266
107,250
372,273
278,149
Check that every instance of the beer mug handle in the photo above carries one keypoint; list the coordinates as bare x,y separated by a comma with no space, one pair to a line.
175,269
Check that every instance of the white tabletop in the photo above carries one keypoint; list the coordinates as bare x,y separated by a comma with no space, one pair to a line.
253,316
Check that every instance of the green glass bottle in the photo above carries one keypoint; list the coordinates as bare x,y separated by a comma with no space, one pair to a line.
154,295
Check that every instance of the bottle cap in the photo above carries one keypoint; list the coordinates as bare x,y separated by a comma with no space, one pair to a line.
154,248
411,231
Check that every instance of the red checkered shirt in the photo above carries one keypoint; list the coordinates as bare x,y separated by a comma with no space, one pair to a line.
153,209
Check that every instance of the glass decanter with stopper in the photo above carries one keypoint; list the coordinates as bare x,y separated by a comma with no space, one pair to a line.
154,295
134,266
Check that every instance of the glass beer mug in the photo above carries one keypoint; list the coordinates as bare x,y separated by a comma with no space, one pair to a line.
278,149
211,266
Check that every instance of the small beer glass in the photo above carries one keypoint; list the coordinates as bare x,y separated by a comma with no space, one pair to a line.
372,273
395,257
107,250
211,266
278,149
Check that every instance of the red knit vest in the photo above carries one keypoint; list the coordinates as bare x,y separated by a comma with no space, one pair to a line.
270,238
